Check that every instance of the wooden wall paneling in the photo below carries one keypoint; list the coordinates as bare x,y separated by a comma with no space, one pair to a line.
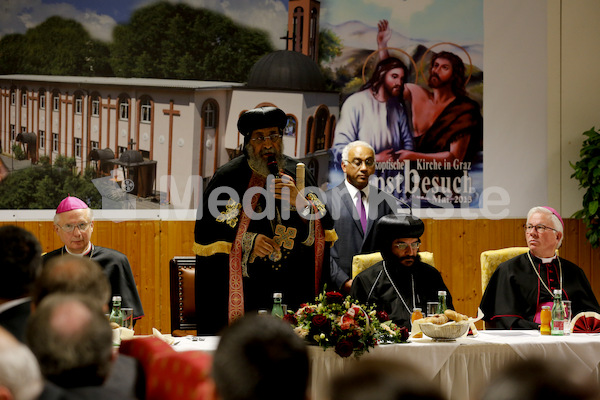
594,276
177,238
451,236
473,246
457,245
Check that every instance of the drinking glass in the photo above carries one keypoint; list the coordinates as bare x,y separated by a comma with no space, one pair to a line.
432,308
127,317
568,316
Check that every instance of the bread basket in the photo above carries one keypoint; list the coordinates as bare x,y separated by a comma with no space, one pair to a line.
446,332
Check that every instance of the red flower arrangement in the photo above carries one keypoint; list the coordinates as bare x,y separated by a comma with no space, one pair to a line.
345,325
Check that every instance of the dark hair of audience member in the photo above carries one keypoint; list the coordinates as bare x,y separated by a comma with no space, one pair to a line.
72,340
260,358
20,261
382,379
539,379
71,274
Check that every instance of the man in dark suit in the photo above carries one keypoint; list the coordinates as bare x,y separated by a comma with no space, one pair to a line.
355,206
72,341
72,275
20,263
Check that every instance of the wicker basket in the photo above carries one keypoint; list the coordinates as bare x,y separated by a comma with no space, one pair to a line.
445,332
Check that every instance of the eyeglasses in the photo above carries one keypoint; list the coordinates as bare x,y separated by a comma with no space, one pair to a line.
538,228
70,228
273,138
403,246
357,162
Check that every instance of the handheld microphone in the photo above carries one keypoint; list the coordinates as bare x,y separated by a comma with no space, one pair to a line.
272,166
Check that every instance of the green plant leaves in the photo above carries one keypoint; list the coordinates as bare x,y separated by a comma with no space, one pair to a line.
587,172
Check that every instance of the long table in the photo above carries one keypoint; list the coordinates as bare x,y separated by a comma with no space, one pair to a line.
462,368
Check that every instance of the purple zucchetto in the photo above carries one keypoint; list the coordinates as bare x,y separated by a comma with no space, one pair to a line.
71,203
553,211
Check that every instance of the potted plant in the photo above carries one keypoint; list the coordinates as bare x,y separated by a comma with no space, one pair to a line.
587,172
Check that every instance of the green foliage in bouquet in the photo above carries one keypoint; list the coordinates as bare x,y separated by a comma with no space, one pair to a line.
345,325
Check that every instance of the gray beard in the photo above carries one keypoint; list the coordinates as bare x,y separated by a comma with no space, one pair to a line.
259,164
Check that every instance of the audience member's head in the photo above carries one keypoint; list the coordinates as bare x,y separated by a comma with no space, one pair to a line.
72,340
20,262
539,379
20,377
382,379
70,274
260,358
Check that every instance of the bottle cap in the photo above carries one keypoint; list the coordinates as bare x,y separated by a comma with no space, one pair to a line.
262,312
545,307
442,293
416,309
277,295
557,291
116,298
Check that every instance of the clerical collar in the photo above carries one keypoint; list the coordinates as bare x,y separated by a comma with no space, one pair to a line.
86,252
546,260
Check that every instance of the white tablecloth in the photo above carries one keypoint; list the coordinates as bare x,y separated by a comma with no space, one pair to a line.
460,368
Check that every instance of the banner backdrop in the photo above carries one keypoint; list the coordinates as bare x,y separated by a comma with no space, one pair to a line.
419,104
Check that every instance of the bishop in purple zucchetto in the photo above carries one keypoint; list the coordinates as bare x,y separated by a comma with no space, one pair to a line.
71,203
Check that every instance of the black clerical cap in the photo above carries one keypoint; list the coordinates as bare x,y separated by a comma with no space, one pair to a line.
260,118
391,226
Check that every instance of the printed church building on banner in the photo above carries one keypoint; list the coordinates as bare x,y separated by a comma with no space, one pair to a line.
179,128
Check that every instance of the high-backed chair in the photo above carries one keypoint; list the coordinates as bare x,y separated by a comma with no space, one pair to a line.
360,262
182,272
490,260
170,375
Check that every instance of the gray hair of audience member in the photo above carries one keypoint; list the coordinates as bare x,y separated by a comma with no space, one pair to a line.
19,370
260,358
72,340
535,379
70,274
558,225
382,379
352,145
20,261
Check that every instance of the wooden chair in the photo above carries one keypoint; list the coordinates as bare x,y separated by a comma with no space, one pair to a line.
360,262
182,272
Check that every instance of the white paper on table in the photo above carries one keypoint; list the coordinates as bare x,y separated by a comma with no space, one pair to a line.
168,339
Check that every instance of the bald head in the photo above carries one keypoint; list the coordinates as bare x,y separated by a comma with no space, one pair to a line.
75,348
20,376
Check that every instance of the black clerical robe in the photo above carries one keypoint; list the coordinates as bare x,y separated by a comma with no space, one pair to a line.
116,267
416,285
515,293
229,281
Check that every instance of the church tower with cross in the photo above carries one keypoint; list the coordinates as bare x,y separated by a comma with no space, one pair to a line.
303,27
